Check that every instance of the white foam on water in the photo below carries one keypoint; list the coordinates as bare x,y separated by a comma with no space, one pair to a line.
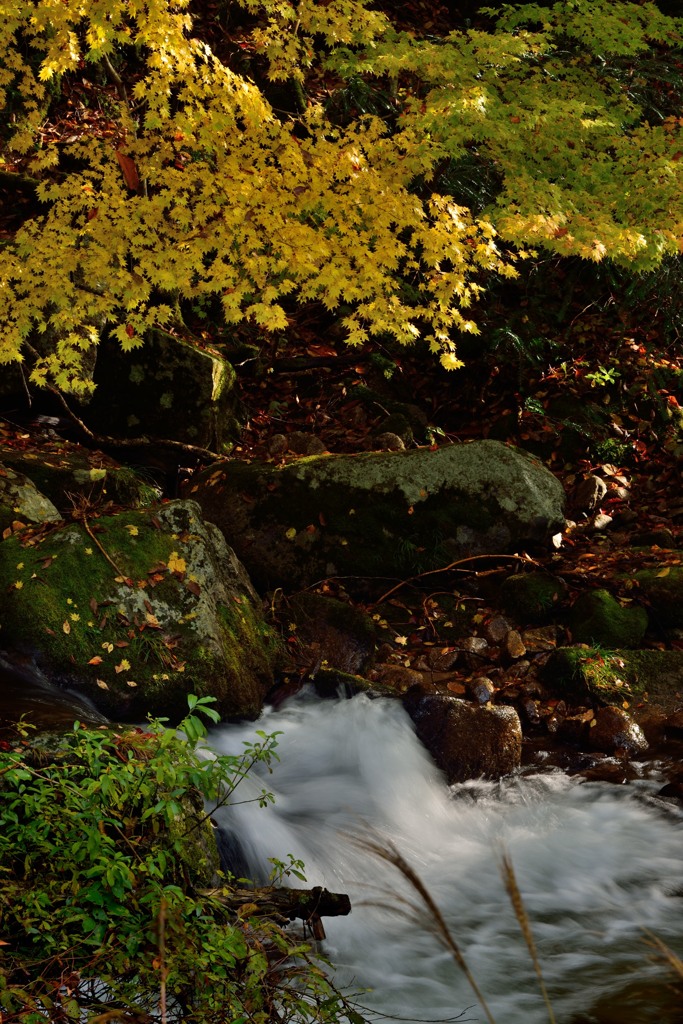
596,864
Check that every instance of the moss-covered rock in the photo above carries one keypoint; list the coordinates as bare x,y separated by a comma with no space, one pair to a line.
607,677
533,597
20,500
662,589
64,471
598,618
136,610
168,388
379,513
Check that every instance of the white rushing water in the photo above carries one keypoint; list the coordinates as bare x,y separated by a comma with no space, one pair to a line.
596,864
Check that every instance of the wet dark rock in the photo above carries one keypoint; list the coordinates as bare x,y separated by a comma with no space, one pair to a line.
531,712
467,741
614,730
344,636
615,771
168,388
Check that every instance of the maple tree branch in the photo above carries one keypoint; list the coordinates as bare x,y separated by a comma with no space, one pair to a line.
453,565
116,79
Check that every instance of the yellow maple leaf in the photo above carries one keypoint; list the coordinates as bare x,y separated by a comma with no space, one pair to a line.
176,563
123,666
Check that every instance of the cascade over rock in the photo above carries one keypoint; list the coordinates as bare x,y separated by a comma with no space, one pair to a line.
380,513
467,741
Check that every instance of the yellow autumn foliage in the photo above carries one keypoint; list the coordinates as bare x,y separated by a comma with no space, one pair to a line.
188,186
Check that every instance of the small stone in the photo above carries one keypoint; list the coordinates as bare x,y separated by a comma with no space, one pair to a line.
482,689
662,538
531,711
519,669
514,645
387,442
602,521
474,644
302,443
277,445
442,659
543,638
497,629
397,677
589,493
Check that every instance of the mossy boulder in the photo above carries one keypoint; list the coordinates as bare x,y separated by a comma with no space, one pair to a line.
533,597
653,678
138,609
597,618
167,388
380,513
64,471
662,589
21,501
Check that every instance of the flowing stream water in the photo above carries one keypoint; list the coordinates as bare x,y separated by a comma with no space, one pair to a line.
596,865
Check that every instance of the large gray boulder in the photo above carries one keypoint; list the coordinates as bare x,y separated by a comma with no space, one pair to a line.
380,513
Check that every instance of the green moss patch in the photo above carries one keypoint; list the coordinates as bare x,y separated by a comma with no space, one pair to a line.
533,597
138,609
615,677
598,618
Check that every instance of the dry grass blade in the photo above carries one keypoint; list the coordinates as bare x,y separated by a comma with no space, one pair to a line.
668,956
386,851
510,881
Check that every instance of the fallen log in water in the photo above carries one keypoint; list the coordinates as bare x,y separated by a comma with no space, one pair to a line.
280,904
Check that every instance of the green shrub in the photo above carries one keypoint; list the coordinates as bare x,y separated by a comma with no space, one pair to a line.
106,856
